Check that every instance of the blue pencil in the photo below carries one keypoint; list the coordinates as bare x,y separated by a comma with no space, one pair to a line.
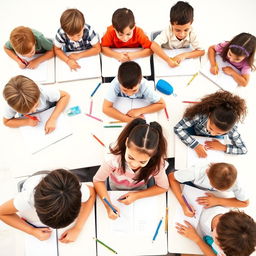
157,230
110,205
97,87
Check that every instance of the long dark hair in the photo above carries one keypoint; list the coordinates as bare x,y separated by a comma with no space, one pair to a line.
148,139
223,108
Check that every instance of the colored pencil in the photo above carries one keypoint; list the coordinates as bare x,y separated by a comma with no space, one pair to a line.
31,117
157,230
94,91
110,205
94,117
96,138
97,240
186,101
187,204
166,113
23,61
193,77
116,122
91,103
166,220
113,126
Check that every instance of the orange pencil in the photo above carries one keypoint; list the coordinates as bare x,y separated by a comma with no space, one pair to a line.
31,117
96,138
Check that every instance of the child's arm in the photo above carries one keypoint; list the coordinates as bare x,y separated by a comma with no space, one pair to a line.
60,106
8,215
242,80
188,55
90,52
139,54
18,122
71,234
13,55
109,110
120,56
211,55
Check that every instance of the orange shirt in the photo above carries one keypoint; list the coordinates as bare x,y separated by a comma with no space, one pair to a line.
139,39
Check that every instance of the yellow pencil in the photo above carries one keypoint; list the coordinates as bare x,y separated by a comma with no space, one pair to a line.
166,220
174,60
216,69
116,122
193,77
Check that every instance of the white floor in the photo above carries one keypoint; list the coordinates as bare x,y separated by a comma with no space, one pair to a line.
214,20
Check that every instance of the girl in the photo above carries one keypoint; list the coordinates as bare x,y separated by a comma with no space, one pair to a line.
239,52
215,115
137,156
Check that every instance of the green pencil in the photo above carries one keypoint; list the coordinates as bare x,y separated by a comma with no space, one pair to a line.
104,245
113,126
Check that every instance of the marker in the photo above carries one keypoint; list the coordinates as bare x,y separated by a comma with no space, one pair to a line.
97,87
31,117
166,220
94,117
23,61
187,204
110,205
166,113
90,112
186,101
113,126
157,230
193,77
96,138
97,240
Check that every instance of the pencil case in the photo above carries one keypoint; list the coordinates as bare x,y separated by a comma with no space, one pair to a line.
164,87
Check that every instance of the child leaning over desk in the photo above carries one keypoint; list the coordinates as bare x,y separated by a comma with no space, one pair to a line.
137,156
25,97
75,35
130,84
179,34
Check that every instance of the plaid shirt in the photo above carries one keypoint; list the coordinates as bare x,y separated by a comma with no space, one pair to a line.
199,123
88,39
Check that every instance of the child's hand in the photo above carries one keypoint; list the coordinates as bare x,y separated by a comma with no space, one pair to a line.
187,212
128,198
136,112
21,64
200,150
74,56
214,70
215,144
69,235
73,64
50,126
130,55
33,64
228,70
123,57
172,63
31,122
208,201
179,58
188,231
42,233
111,214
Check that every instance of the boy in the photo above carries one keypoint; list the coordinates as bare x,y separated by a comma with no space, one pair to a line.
129,83
75,35
23,96
229,233
25,43
217,176
180,34
51,200
124,34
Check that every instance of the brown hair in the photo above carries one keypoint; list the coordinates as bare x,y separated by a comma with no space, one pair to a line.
72,21
123,18
236,234
58,198
222,175
181,13
21,93
148,139
223,108
22,40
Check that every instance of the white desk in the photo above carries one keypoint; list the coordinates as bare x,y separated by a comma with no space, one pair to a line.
110,65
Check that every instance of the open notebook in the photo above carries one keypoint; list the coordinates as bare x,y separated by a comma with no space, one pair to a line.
35,137
223,80
187,67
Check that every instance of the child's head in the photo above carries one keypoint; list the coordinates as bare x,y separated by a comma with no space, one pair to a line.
222,176
23,41
223,110
241,47
72,22
58,198
123,23
181,18
141,146
129,76
22,94
235,234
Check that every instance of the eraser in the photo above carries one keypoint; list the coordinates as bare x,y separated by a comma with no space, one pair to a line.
164,87
73,111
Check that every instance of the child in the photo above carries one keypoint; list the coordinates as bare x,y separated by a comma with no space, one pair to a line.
179,34
23,96
124,34
233,232
25,43
52,200
215,115
75,35
217,176
129,83
137,156
239,52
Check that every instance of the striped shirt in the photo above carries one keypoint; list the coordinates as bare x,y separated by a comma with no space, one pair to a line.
199,122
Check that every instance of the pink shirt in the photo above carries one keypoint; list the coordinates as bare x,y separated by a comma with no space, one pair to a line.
125,181
242,66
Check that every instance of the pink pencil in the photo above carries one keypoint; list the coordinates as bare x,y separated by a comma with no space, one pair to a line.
166,113
91,107
94,117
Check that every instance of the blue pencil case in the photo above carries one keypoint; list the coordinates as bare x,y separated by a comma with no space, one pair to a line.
164,87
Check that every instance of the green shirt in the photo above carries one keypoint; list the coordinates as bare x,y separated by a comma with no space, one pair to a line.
42,44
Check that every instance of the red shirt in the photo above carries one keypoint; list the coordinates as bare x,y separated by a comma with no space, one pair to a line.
139,39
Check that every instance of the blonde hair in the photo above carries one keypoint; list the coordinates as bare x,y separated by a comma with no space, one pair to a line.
21,93
72,21
22,40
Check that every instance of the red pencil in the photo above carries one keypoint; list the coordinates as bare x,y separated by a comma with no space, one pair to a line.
166,113
23,61
31,117
96,138
185,101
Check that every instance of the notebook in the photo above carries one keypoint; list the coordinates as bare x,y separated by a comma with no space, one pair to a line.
222,80
35,137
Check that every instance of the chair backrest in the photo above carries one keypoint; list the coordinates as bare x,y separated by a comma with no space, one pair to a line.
154,34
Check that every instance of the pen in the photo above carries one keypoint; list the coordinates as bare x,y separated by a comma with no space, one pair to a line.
94,117
186,101
157,230
113,126
97,240
193,77
90,112
31,117
97,87
166,220
166,113
110,205
96,138
187,204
